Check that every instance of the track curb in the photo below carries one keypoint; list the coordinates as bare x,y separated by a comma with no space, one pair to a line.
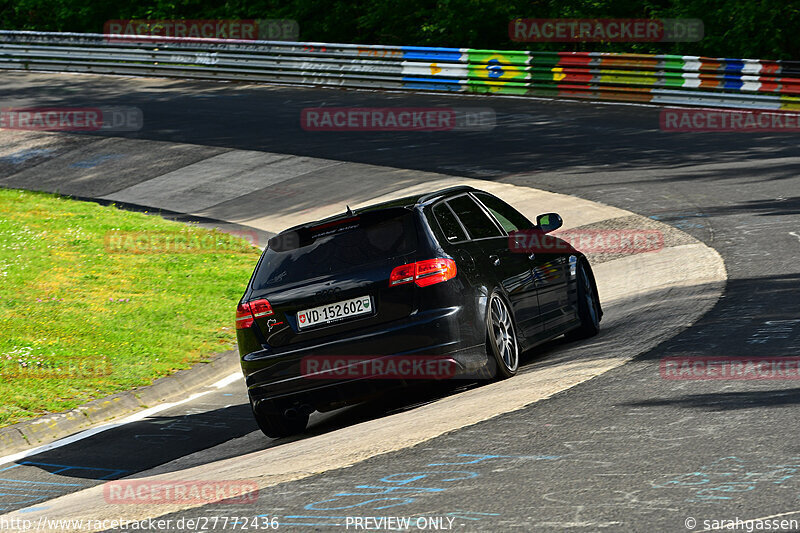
51,427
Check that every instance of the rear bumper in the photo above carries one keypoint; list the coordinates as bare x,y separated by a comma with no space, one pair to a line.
438,335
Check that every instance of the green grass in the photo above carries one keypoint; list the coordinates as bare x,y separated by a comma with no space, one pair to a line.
80,319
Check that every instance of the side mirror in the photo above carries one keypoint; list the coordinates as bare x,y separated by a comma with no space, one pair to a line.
549,222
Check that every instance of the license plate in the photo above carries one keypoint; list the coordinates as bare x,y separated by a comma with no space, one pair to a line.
326,314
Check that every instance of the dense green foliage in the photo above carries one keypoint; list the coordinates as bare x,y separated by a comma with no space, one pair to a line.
766,29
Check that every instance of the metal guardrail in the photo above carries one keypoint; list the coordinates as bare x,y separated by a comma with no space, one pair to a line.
662,79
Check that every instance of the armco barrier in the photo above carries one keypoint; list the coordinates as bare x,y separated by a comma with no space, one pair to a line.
661,79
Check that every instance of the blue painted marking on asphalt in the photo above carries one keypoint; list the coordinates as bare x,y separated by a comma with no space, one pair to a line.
27,485
28,492
21,493
677,216
95,161
421,475
21,503
403,501
386,490
483,457
460,514
36,482
23,155
300,517
34,509
67,468
681,225
728,475
400,486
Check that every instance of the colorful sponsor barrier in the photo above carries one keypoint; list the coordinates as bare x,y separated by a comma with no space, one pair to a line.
659,79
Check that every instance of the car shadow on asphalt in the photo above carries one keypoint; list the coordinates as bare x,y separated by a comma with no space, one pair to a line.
730,400
144,444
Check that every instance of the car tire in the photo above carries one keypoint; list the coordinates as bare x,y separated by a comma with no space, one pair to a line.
275,424
502,345
588,306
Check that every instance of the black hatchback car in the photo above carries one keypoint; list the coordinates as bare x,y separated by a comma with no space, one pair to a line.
429,286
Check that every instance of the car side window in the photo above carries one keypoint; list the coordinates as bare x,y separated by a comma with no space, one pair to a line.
477,222
507,216
447,221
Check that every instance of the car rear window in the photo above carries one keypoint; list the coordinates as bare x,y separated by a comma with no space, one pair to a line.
336,247
478,223
447,221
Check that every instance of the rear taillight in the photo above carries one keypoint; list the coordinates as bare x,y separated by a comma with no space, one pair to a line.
247,312
435,271
423,273
403,274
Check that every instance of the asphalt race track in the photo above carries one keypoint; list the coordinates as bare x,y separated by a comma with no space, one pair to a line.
625,451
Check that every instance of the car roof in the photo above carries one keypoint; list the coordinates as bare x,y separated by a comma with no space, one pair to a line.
408,202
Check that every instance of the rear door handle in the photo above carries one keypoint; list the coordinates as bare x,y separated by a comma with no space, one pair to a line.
494,259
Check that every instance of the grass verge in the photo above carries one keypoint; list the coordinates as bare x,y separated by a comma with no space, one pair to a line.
96,300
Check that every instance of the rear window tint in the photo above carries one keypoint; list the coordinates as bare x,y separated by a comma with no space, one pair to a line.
447,221
478,224
328,249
